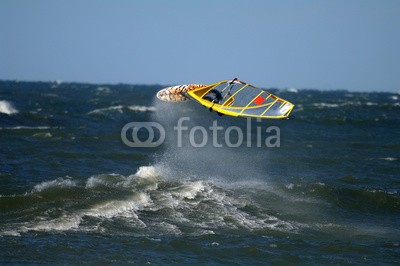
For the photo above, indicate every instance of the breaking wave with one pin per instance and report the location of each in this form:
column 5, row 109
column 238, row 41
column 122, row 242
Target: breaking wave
column 144, row 203
column 122, row 108
column 7, row 108
column 60, row 182
column 149, row 203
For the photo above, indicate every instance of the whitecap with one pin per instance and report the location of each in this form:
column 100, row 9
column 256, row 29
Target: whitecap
column 43, row 135
column 351, row 103
column 108, row 180
column 109, row 209
column 107, row 109
column 147, row 172
column 63, row 223
column 292, row 90
column 193, row 207
column 147, row 177
column 10, row 233
column 138, row 108
column 326, row 105
column 121, row 208
column 289, row 186
column 103, row 89
column 59, row 182
column 26, row 127
column 7, row 108
column 189, row 190
column 121, row 108
column 389, row 159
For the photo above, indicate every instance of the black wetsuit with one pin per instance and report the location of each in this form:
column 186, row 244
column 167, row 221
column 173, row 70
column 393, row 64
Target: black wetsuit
column 213, row 96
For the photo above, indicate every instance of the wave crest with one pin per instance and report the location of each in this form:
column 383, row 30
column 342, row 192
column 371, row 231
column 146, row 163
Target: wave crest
column 7, row 108
column 145, row 203
column 58, row 183
column 122, row 108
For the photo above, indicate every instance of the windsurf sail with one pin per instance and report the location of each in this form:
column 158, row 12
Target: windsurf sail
column 237, row 98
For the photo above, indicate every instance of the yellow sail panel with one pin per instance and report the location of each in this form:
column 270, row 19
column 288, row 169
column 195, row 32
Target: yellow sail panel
column 237, row 98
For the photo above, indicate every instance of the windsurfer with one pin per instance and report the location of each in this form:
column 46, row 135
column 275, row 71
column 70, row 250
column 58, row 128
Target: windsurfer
column 213, row 96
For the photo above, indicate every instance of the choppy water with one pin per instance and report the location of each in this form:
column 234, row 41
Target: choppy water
column 72, row 192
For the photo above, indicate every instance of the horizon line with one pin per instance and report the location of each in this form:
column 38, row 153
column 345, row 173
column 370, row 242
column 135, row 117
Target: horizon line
column 59, row 82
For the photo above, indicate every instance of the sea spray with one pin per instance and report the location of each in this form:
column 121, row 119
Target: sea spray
column 7, row 108
column 207, row 162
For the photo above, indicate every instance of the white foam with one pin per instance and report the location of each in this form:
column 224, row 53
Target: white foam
column 147, row 172
column 326, row 105
column 290, row 186
column 110, row 209
column 139, row 108
column 10, row 233
column 292, row 90
column 179, row 207
column 107, row 180
column 389, row 159
column 63, row 223
column 146, row 176
column 189, row 190
column 103, row 89
column 120, row 109
column 215, row 210
column 111, row 108
column 122, row 208
column 351, row 103
column 358, row 103
column 7, row 108
column 43, row 135
column 28, row 128
column 169, row 228
column 59, row 182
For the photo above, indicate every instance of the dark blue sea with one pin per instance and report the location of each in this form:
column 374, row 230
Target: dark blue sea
column 322, row 188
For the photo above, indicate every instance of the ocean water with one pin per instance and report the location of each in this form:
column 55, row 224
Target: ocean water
column 72, row 192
